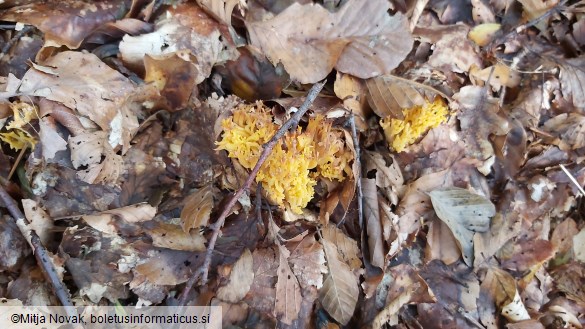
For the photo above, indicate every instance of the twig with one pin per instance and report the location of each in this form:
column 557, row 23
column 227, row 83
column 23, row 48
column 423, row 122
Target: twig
column 203, row 271
column 41, row 254
column 573, row 179
column 13, row 40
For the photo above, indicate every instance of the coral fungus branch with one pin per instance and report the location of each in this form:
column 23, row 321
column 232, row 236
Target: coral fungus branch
column 267, row 148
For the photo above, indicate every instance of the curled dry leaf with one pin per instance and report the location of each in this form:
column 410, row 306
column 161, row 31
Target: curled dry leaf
column 388, row 95
column 50, row 139
column 454, row 52
column 187, row 31
column 197, row 208
column 221, row 9
column 240, row 280
column 171, row 236
column 99, row 97
column 39, row 220
column 340, row 290
column 94, row 151
column 173, row 76
column 465, row 213
column 499, row 287
column 106, row 221
column 352, row 91
column 373, row 222
column 66, row 22
column 311, row 41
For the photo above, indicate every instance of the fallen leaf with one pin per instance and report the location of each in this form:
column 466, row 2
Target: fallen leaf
column 465, row 213
column 373, row 222
column 240, row 280
column 324, row 40
column 197, row 208
column 346, row 246
column 340, row 291
column 101, row 98
column 288, row 291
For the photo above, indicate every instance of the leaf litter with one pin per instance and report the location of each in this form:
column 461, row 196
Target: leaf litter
column 434, row 181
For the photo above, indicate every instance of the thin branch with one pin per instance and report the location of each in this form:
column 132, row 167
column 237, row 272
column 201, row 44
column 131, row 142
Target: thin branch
column 6, row 48
column 41, row 254
column 203, row 271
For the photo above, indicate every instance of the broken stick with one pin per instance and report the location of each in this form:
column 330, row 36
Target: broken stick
column 41, row 254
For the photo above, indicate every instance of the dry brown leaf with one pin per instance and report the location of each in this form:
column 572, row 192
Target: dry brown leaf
column 482, row 13
column 310, row 41
column 340, row 291
column 373, row 222
column 388, row 95
column 288, row 291
column 308, row 261
column 569, row 130
column 352, row 92
column 502, row 75
column 499, row 287
column 173, row 76
column 197, row 208
column 106, row 220
column 222, row 9
column 94, row 151
column 441, row 243
column 454, row 52
column 559, row 239
column 465, row 213
column 240, row 280
column 346, row 246
column 479, row 119
column 388, row 174
column 572, row 79
column 39, row 220
column 173, row 237
column 579, row 246
column 99, row 97
column 65, row 22
column 188, row 31
column 50, row 139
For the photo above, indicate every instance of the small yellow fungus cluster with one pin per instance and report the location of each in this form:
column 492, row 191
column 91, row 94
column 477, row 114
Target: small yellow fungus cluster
column 417, row 121
column 297, row 161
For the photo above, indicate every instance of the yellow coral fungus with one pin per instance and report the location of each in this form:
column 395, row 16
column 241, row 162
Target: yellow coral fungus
column 417, row 121
column 290, row 173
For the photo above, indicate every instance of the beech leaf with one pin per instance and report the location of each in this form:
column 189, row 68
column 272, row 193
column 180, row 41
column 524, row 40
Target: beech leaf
column 465, row 213
column 241, row 278
column 310, row 41
column 340, row 290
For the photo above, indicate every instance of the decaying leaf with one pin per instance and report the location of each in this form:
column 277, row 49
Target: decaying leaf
column 173, row 237
column 93, row 151
column 188, row 31
column 373, row 222
column 326, row 40
column 340, row 290
column 465, row 213
column 352, row 91
column 288, row 291
column 346, row 246
column 99, row 97
column 479, row 118
column 222, row 10
column 500, row 287
column 569, row 130
column 106, row 221
column 197, row 208
column 240, row 280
